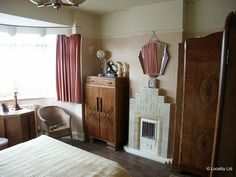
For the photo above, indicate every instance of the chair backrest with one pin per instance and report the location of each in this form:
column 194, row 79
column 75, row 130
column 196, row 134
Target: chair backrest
column 52, row 114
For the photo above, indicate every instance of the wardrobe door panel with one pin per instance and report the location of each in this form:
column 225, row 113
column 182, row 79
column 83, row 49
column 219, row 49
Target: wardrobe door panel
column 107, row 120
column 92, row 110
column 200, row 93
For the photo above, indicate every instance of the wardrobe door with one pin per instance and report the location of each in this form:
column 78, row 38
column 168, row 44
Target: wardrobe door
column 92, row 110
column 200, row 91
column 225, row 142
column 107, row 119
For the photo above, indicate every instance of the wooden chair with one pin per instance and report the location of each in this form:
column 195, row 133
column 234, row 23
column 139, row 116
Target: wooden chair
column 55, row 121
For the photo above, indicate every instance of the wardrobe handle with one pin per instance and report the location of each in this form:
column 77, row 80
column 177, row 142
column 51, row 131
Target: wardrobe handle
column 101, row 104
column 97, row 104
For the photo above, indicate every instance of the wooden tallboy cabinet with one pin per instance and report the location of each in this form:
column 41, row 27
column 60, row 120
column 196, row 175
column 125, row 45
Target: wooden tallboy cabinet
column 106, row 110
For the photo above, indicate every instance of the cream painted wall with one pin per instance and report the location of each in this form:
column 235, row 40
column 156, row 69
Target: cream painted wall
column 90, row 64
column 123, row 34
column 86, row 24
column 207, row 16
column 115, row 24
column 165, row 16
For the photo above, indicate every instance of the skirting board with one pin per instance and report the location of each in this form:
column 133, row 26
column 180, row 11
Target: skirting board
column 78, row 136
column 148, row 156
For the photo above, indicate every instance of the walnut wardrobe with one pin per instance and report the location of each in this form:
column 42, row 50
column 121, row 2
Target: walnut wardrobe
column 206, row 92
column 198, row 83
column 224, row 153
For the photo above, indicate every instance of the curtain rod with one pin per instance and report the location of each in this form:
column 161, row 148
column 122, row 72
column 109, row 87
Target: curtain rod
column 22, row 26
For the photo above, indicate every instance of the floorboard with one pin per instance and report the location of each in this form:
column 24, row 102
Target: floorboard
column 135, row 165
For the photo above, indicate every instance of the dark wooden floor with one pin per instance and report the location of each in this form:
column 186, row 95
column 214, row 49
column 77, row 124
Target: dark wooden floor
column 135, row 165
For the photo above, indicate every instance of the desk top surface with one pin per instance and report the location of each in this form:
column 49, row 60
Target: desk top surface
column 15, row 112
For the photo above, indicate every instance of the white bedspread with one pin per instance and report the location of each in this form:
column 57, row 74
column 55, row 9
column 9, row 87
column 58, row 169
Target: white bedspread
column 47, row 157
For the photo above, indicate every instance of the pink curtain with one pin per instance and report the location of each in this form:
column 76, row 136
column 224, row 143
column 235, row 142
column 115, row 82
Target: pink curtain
column 68, row 72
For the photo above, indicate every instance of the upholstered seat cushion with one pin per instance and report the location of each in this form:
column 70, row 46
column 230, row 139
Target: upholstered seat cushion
column 60, row 132
column 3, row 143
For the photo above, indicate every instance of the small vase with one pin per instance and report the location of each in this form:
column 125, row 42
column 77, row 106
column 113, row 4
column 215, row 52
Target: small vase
column 119, row 72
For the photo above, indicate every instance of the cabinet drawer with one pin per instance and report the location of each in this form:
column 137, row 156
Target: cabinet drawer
column 91, row 80
column 108, row 82
column 103, row 81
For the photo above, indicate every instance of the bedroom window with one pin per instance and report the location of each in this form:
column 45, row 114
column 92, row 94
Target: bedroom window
column 27, row 65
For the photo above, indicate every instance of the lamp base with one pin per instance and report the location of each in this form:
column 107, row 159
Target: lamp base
column 16, row 107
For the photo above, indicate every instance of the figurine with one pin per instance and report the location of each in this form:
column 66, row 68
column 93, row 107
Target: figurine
column 111, row 69
column 5, row 107
column 119, row 69
column 125, row 69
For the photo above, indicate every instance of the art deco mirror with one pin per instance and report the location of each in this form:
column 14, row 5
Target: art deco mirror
column 153, row 58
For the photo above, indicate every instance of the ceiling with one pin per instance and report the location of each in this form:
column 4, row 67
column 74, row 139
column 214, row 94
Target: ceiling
column 91, row 6
column 21, row 21
column 110, row 6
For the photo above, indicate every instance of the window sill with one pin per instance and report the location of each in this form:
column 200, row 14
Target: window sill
column 23, row 99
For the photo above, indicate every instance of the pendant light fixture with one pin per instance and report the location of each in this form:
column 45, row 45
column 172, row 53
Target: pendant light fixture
column 57, row 3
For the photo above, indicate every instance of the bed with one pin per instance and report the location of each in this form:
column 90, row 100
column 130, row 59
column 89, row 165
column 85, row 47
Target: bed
column 48, row 157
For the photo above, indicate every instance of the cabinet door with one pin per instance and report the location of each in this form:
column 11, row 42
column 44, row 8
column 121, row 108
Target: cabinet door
column 17, row 129
column 107, row 106
column 92, row 110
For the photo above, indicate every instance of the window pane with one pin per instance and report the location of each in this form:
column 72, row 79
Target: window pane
column 27, row 64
